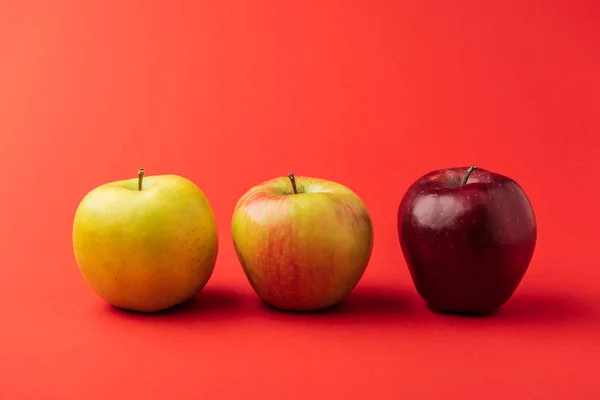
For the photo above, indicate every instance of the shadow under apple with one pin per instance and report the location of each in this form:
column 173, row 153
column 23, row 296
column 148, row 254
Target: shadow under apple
column 211, row 302
column 364, row 303
column 547, row 308
column 533, row 308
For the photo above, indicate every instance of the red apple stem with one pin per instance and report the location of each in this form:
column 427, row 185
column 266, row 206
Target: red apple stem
column 140, row 178
column 293, row 180
column 469, row 172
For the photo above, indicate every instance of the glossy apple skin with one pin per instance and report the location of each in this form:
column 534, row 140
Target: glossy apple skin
column 305, row 251
column 467, row 247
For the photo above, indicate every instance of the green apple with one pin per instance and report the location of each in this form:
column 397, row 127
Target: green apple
column 146, row 244
column 303, row 243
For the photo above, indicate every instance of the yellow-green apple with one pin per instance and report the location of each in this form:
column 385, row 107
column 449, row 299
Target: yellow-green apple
column 303, row 243
column 468, row 236
column 146, row 244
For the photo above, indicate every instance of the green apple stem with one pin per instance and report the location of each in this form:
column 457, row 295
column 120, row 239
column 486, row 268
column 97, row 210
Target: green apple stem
column 469, row 171
column 140, row 178
column 293, row 180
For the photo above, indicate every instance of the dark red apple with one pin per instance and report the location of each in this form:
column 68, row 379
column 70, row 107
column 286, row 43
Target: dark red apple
column 468, row 236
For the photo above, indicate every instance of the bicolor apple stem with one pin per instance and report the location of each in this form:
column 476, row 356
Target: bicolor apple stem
column 469, row 172
column 293, row 180
column 140, row 178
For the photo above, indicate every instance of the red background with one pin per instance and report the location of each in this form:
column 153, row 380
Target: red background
column 369, row 93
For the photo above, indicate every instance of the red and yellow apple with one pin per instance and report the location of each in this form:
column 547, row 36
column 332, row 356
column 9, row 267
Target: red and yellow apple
column 303, row 243
column 146, row 244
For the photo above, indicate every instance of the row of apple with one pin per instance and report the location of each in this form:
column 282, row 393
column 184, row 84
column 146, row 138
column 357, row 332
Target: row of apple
column 149, row 243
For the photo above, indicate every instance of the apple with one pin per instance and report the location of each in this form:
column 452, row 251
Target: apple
column 468, row 236
column 145, row 244
column 303, row 243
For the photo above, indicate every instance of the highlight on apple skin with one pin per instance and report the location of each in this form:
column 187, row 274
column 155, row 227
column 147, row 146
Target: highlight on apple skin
column 468, row 236
column 303, row 243
column 146, row 244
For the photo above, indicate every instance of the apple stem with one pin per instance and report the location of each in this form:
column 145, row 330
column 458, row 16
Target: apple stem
column 293, row 180
column 469, row 171
column 140, row 178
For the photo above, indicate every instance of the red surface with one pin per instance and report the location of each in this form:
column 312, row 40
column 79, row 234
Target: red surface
column 371, row 94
